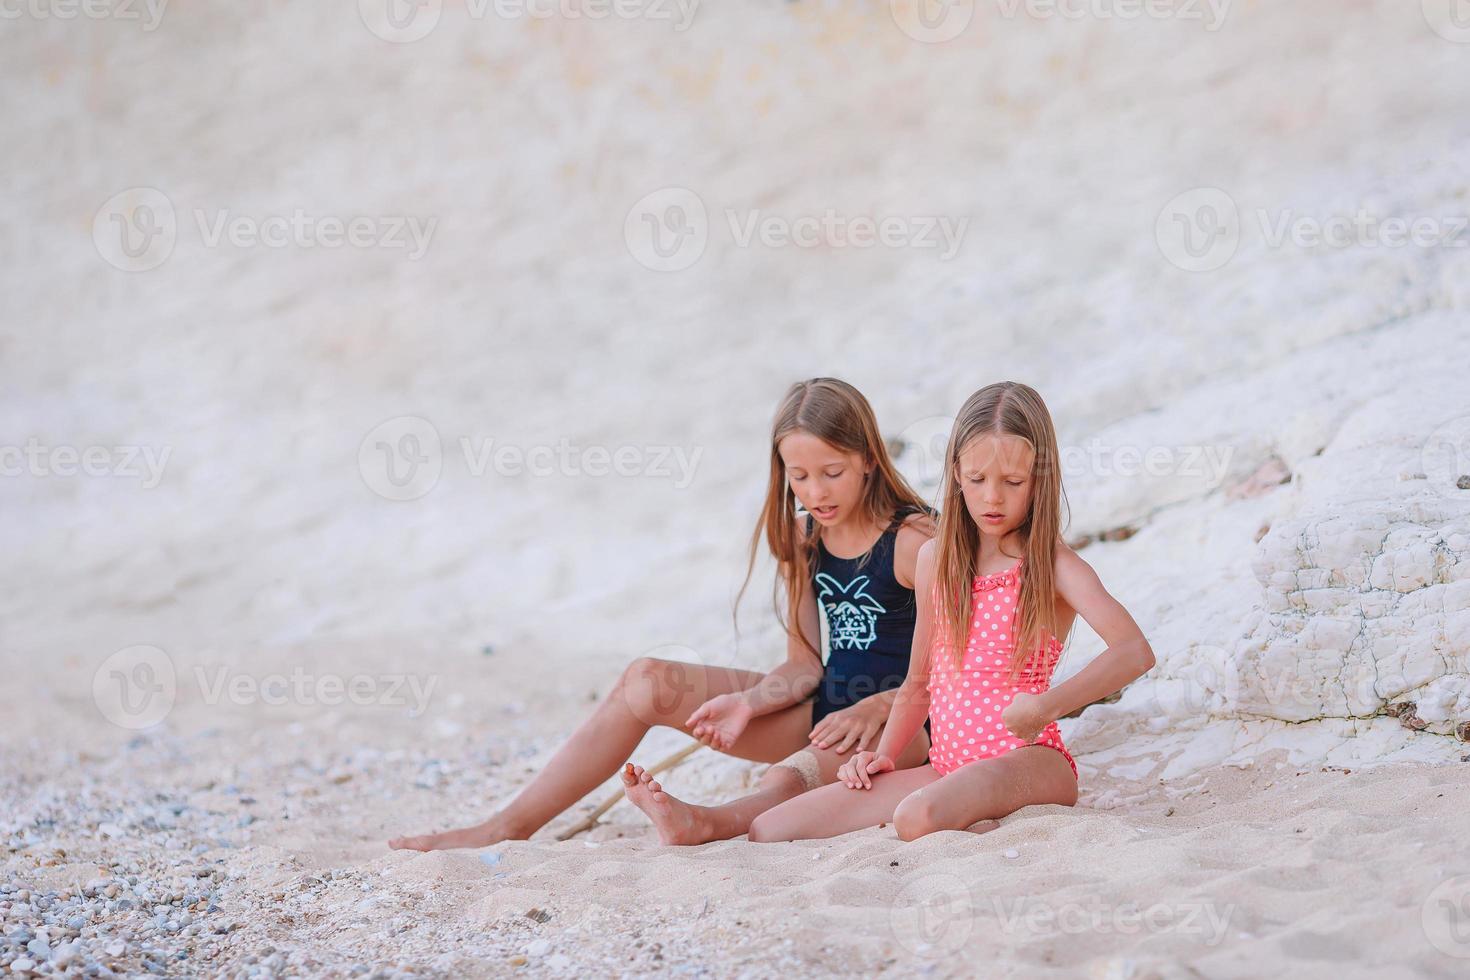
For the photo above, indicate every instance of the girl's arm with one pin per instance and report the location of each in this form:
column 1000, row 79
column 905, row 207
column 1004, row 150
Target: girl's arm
column 798, row 677
column 911, row 701
column 1127, row 657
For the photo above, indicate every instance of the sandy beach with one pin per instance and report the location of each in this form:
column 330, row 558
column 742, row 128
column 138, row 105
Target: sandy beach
column 320, row 536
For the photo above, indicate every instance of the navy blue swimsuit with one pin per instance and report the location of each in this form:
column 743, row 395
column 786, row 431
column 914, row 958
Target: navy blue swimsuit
column 870, row 623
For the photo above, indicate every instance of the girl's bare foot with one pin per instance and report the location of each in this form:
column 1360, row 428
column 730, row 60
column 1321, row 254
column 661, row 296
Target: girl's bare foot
column 490, row 832
column 677, row 822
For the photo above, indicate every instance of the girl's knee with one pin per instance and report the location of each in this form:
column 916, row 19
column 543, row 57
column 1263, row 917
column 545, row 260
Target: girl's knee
column 647, row 690
column 915, row 817
column 766, row 829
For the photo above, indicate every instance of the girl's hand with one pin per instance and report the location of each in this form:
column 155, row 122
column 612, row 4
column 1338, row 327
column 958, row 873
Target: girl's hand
column 857, row 772
column 858, row 725
column 1025, row 717
column 720, row 721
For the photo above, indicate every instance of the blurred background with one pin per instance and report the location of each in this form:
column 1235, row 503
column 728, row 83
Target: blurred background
column 440, row 342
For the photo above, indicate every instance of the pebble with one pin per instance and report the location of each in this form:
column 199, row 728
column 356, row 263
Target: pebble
column 1011, row 852
column 538, row 947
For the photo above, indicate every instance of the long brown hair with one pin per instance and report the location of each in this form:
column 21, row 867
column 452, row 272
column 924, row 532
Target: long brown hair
column 838, row 414
column 1004, row 408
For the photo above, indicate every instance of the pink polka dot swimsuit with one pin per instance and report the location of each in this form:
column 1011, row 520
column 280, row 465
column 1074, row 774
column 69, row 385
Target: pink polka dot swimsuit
column 965, row 703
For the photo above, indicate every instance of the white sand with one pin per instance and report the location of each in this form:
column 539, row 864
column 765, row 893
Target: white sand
column 1290, row 619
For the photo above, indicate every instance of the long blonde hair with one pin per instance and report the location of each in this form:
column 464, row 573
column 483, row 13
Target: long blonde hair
column 1004, row 408
column 838, row 414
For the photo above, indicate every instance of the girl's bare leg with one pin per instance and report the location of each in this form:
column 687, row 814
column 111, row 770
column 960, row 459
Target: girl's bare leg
column 835, row 809
column 650, row 692
column 678, row 822
column 987, row 790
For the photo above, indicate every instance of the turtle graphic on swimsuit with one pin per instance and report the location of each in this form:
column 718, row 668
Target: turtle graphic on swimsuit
column 852, row 614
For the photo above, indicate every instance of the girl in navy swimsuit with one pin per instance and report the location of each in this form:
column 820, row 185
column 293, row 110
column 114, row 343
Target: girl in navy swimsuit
column 852, row 554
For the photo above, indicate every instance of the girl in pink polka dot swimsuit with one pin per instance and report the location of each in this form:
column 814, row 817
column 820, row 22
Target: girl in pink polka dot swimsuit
column 1003, row 591
column 966, row 700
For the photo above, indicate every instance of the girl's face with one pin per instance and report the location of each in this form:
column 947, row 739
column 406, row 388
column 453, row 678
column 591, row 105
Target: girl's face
column 828, row 481
column 994, row 472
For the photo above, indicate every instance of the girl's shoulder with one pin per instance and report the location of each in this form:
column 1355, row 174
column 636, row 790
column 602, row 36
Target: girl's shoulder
column 918, row 526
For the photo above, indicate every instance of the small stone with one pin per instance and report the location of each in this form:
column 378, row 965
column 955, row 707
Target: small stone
column 1463, row 482
column 538, row 947
column 22, row 965
column 517, row 961
column 1011, row 852
column 490, row 857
